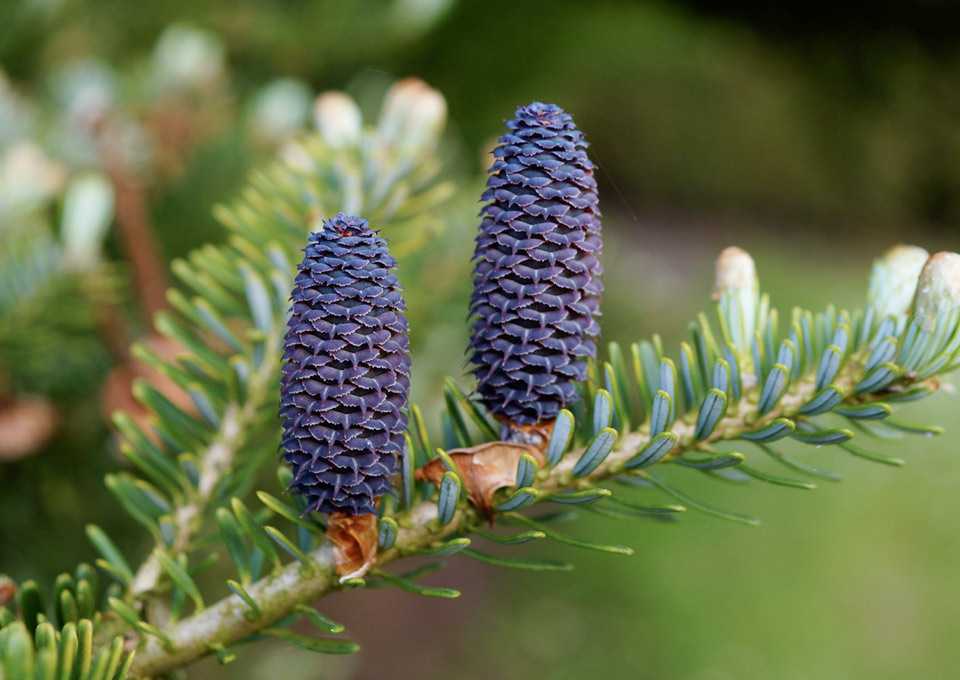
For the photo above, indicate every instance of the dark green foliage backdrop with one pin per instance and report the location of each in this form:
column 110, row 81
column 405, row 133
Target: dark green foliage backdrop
column 686, row 111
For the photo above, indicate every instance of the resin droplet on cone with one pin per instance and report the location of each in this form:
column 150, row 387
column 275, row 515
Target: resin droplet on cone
column 346, row 374
column 537, row 286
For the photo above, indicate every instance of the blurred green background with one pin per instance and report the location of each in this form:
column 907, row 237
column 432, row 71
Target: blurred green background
column 813, row 136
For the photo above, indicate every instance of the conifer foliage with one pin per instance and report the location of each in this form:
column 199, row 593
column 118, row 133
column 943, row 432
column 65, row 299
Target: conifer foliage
column 745, row 377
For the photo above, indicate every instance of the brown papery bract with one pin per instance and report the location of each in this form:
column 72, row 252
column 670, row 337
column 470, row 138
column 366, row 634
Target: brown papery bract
column 484, row 469
column 354, row 539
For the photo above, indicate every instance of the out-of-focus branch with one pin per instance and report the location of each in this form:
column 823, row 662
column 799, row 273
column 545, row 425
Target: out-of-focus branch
column 137, row 237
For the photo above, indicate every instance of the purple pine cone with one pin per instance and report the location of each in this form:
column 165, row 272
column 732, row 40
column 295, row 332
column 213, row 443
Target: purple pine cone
column 346, row 374
column 536, row 282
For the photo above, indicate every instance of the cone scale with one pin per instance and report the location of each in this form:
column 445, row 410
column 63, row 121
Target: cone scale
column 536, row 279
column 346, row 374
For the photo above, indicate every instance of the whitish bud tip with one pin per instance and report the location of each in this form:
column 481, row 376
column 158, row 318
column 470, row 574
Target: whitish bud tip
column 338, row 119
column 413, row 112
column 938, row 290
column 280, row 110
column 87, row 213
column 188, row 57
column 893, row 281
column 735, row 271
column 906, row 255
column 407, row 92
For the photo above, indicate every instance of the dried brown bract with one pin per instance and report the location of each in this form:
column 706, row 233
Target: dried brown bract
column 354, row 539
column 484, row 469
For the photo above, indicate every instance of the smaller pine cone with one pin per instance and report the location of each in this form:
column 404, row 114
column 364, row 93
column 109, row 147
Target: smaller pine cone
column 346, row 375
column 536, row 282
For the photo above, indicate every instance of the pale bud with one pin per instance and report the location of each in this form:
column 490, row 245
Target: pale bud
column 188, row 58
column 281, row 110
column 418, row 15
column 737, row 289
column 28, row 178
column 893, row 280
column 413, row 114
column 938, row 290
column 87, row 214
column 338, row 119
column 736, row 271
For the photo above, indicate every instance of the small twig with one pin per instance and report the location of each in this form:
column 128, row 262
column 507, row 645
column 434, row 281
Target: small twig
column 215, row 462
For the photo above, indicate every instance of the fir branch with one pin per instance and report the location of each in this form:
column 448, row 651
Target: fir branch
column 746, row 382
column 748, row 378
column 580, row 473
column 277, row 595
column 389, row 171
column 216, row 461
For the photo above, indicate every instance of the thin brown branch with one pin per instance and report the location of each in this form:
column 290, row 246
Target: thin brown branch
column 137, row 237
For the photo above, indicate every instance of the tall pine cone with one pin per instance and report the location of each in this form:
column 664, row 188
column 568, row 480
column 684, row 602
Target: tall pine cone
column 536, row 282
column 346, row 375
